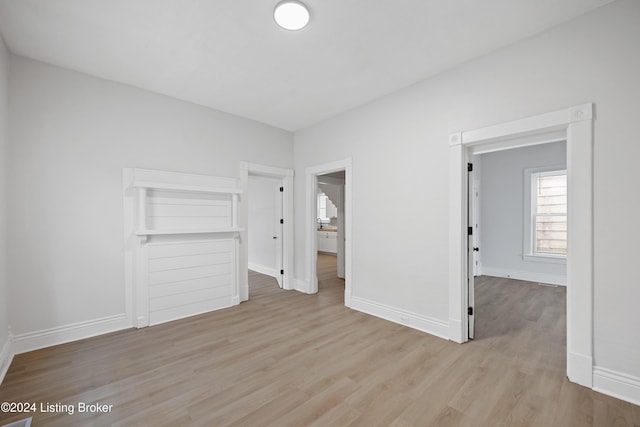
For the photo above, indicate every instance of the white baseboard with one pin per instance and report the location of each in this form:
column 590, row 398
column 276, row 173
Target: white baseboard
column 30, row 341
column 413, row 320
column 6, row 357
column 580, row 369
column 616, row 384
column 262, row 269
column 552, row 279
column 347, row 299
column 455, row 330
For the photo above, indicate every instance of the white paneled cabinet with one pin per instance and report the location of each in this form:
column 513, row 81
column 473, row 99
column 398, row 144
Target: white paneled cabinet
column 328, row 241
column 181, row 244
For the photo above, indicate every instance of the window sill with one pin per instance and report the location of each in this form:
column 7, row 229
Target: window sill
column 550, row 259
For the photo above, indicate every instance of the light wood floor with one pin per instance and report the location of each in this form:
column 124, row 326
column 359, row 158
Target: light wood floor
column 288, row 359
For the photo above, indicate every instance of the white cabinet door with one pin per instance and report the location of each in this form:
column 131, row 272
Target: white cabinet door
column 322, row 241
column 332, row 243
column 327, row 241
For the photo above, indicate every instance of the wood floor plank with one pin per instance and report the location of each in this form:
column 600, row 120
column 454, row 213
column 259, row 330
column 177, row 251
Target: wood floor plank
column 288, row 359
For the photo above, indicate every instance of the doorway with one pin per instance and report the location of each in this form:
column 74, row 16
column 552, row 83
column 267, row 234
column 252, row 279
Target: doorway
column 275, row 186
column 575, row 125
column 265, row 230
column 331, row 173
column 519, row 227
column 330, row 230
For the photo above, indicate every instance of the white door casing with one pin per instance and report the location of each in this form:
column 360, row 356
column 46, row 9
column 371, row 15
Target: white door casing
column 277, row 236
column 312, row 173
column 575, row 125
column 470, row 252
column 287, row 240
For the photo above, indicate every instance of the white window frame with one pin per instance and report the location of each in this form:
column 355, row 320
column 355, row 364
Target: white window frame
column 322, row 208
column 528, row 251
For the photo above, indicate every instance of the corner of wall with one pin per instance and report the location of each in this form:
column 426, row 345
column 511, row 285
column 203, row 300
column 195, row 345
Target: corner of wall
column 302, row 285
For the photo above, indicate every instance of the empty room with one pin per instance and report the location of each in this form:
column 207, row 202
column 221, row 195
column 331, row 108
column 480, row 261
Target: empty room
column 327, row 213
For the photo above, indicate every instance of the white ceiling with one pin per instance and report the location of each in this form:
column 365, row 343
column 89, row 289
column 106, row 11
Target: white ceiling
column 230, row 55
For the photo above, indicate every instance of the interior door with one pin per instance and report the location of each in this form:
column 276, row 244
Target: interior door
column 470, row 249
column 278, row 235
column 475, row 222
column 341, row 233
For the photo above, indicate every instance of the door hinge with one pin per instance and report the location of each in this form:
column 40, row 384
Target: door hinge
column 281, row 271
column 281, row 189
column 476, row 249
column 470, row 231
column 281, row 221
column 470, row 311
column 469, row 167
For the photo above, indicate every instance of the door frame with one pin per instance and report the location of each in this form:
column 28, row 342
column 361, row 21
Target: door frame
column 340, row 234
column 311, row 251
column 575, row 125
column 286, row 179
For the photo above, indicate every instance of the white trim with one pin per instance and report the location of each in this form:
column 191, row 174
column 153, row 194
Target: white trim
column 528, row 215
column 185, row 188
column 129, row 227
column 30, row 341
column 580, row 368
column 529, row 276
column 263, row 269
column 457, row 243
column 302, row 286
column 312, row 174
column 549, row 259
column 542, row 123
column 6, row 356
column 575, row 126
column 422, row 323
column 286, row 177
column 617, row 384
column 455, row 330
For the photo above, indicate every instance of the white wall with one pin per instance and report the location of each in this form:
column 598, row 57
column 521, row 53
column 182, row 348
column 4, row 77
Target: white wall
column 502, row 212
column 4, row 102
column 262, row 224
column 399, row 148
column 70, row 137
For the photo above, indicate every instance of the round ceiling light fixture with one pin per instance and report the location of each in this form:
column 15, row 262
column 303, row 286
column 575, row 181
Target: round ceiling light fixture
column 291, row 15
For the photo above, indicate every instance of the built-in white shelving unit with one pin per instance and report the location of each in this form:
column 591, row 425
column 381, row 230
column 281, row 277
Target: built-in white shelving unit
column 196, row 231
column 181, row 239
column 143, row 188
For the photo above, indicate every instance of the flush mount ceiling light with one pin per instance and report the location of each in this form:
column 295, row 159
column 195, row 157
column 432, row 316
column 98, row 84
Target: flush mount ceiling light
column 291, row 15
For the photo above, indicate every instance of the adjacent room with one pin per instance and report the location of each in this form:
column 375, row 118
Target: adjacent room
column 519, row 220
column 326, row 213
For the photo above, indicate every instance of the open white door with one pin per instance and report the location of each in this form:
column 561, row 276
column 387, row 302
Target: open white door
column 341, row 232
column 470, row 248
column 278, row 236
column 476, row 233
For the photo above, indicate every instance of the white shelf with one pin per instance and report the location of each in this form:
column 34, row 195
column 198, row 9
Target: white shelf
column 186, row 188
column 196, row 231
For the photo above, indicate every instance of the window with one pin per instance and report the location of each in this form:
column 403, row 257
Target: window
column 322, row 208
column 326, row 209
column 546, row 214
